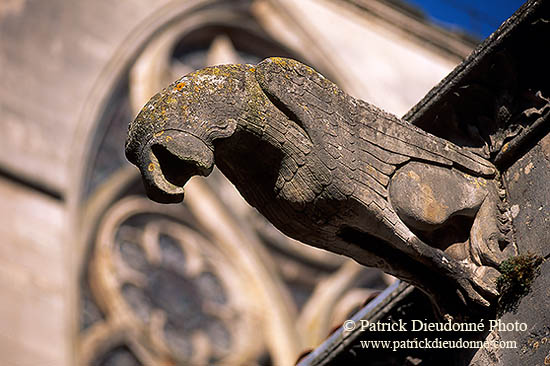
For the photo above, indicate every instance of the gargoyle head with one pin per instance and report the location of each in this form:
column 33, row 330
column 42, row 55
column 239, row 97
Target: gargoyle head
column 172, row 137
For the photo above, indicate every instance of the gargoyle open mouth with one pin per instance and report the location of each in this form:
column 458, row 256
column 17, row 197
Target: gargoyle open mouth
column 169, row 160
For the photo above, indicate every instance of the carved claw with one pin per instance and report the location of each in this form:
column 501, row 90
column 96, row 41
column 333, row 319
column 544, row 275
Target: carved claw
column 486, row 237
column 472, row 294
column 474, row 289
column 485, row 279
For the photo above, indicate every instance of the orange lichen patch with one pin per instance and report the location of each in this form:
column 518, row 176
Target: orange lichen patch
column 252, row 69
column 225, row 70
column 197, row 89
column 279, row 61
column 179, row 86
column 151, row 167
column 168, row 138
column 159, row 133
column 481, row 182
column 477, row 181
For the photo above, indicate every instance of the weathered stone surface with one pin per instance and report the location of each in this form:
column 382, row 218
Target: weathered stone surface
column 318, row 163
column 527, row 347
column 424, row 205
column 529, row 192
column 529, row 198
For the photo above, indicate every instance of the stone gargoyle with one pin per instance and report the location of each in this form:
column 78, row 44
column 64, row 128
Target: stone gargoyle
column 331, row 171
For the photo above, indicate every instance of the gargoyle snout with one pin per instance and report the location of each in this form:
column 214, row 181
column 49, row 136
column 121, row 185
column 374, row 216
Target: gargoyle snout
column 169, row 160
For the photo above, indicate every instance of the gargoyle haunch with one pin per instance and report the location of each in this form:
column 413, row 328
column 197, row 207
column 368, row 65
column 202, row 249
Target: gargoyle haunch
column 331, row 171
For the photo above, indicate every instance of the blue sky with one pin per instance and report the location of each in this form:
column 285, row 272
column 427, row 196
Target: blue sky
column 477, row 17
